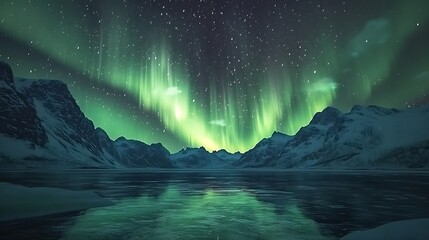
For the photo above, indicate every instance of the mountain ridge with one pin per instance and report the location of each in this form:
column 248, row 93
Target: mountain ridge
column 364, row 137
column 57, row 133
column 41, row 125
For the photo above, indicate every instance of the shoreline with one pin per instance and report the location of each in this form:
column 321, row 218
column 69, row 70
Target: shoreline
column 244, row 170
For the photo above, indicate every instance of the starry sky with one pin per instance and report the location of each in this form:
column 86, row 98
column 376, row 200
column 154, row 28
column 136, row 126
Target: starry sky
column 220, row 73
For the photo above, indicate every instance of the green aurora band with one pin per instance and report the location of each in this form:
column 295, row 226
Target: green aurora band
column 351, row 72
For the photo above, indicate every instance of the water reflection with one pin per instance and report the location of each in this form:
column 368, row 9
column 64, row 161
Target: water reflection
column 225, row 204
column 214, row 214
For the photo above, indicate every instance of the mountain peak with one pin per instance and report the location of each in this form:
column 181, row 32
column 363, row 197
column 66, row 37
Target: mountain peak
column 375, row 109
column 220, row 151
column 100, row 130
column 121, row 138
column 6, row 74
column 327, row 116
column 157, row 145
column 279, row 134
column 382, row 110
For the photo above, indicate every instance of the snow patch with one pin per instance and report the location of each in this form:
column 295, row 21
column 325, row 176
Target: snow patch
column 23, row 202
column 414, row 229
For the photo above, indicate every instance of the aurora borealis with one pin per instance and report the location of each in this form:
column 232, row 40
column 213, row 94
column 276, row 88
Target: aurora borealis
column 220, row 74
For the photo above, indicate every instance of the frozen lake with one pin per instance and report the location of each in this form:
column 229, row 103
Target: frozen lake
column 224, row 204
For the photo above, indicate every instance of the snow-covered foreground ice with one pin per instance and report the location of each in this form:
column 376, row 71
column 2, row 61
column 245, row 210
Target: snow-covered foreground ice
column 415, row 229
column 22, row 202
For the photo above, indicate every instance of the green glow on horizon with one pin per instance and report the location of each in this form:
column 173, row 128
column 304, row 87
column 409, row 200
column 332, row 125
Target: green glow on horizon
column 280, row 99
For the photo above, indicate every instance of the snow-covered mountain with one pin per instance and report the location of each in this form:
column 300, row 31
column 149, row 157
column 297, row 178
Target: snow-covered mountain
column 201, row 158
column 227, row 156
column 42, row 126
column 18, row 118
column 134, row 153
column 265, row 152
column 365, row 137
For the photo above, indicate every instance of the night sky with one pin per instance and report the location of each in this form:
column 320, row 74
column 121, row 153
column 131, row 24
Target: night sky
column 220, row 74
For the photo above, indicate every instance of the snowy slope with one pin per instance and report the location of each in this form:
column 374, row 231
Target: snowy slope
column 71, row 136
column 136, row 154
column 201, row 158
column 308, row 140
column 365, row 137
column 21, row 131
column 41, row 126
column 413, row 229
column 265, row 152
column 227, row 156
column 24, row 202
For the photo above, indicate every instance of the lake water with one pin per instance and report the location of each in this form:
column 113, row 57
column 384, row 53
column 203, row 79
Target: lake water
column 224, row 204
